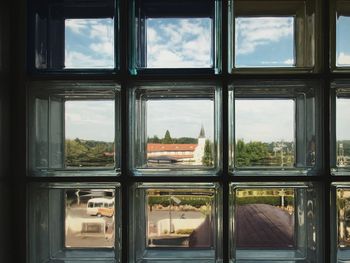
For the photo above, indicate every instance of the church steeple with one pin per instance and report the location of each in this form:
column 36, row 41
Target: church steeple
column 202, row 133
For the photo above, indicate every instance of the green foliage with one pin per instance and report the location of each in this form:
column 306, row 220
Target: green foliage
column 263, row 154
column 207, row 159
column 167, row 138
column 269, row 200
column 195, row 201
column 252, row 153
column 181, row 140
column 86, row 153
column 155, row 139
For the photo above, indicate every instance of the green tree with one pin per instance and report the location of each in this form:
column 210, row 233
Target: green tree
column 207, row 159
column 252, row 153
column 167, row 138
column 154, row 139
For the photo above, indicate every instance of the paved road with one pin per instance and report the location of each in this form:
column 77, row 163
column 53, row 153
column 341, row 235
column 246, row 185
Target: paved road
column 77, row 239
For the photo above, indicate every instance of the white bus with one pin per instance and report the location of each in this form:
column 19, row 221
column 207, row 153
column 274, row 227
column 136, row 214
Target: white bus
column 100, row 207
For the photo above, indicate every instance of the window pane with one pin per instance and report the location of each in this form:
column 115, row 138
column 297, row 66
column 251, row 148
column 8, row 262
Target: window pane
column 177, row 222
column 89, row 133
column 264, row 42
column 275, row 222
column 342, row 41
column 72, row 34
column 63, row 226
column 89, row 43
column 74, row 127
column 175, row 127
column 265, row 132
column 179, row 219
column 343, row 137
column 179, row 43
column 87, row 223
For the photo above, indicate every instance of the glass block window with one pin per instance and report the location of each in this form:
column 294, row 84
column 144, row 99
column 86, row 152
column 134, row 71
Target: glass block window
column 273, row 126
column 69, row 222
column 273, row 221
column 75, row 127
column 340, row 157
column 273, row 37
column 73, row 35
column 177, row 129
column 341, row 46
column 175, row 221
column 175, row 34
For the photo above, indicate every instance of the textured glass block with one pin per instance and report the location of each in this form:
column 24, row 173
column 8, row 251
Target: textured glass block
column 340, row 150
column 269, row 36
column 340, row 26
column 273, row 222
column 176, row 128
column 274, row 127
column 175, row 34
column 175, row 222
column 340, row 223
column 73, row 126
column 74, row 222
column 72, row 35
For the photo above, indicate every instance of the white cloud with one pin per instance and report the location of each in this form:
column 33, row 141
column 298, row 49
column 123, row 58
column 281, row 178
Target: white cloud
column 77, row 26
column 289, row 61
column 343, row 59
column 90, row 44
column 74, row 59
column 257, row 31
column 179, row 43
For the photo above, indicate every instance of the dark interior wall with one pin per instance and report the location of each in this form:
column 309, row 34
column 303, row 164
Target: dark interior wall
column 5, row 184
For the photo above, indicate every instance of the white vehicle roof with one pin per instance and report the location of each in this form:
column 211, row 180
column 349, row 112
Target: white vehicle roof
column 101, row 199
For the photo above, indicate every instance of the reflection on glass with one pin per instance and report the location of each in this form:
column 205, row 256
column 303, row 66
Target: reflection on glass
column 179, row 43
column 342, row 41
column 180, row 133
column 180, row 218
column 264, row 42
column 89, row 133
column 264, row 218
column 89, row 218
column 264, row 132
column 89, row 43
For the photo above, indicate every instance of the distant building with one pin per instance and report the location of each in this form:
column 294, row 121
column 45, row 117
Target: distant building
column 172, row 153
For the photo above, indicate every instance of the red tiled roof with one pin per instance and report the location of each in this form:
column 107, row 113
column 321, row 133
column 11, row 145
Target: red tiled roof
column 160, row 147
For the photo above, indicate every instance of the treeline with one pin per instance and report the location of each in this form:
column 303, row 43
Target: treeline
column 167, row 139
column 260, row 153
column 89, row 153
column 181, row 140
column 164, row 201
column 268, row 200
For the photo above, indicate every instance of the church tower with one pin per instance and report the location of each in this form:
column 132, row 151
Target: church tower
column 199, row 151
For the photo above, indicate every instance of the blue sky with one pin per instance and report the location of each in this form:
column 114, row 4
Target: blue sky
column 267, row 41
column 89, row 43
column 264, row 42
column 343, row 41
